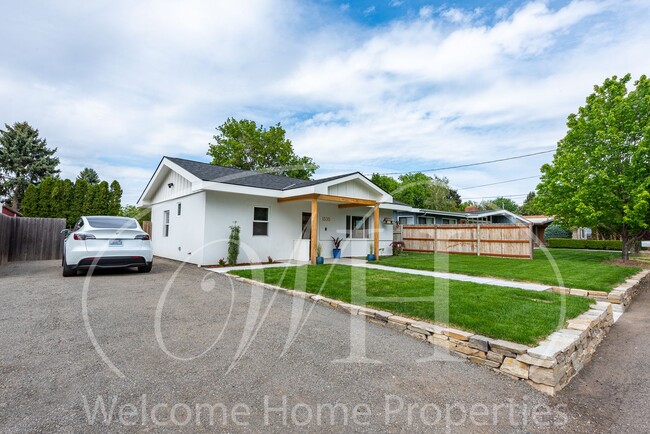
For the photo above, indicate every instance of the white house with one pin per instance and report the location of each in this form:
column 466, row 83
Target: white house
column 194, row 204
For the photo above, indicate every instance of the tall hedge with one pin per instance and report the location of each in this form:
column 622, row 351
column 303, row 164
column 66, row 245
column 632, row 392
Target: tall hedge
column 61, row 198
column 585, row 244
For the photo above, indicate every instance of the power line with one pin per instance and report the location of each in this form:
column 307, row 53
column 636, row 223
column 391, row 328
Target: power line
column 493, row 197
column 471, row 164
column 500, row 182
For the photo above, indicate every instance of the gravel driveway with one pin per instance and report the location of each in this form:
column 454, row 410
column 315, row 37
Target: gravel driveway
column 53, row 376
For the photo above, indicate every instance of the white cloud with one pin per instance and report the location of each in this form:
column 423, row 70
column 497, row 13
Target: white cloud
column 142, row 80
column 369, row 10
column 425, row 12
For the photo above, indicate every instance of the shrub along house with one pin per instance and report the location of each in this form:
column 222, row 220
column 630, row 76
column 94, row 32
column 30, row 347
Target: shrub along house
column 193, row 205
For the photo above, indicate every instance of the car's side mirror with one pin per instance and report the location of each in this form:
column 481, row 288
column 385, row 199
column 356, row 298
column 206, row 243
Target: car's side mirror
column 65, row 232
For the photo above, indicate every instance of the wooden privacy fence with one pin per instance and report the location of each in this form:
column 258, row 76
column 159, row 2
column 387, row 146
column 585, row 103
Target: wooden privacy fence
column 146, row 226
column 30, row 239
column 506, row 240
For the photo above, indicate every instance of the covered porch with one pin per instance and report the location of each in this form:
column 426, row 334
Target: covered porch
column 343, row 202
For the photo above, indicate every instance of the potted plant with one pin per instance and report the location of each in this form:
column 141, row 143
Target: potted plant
column 398, row 247
column 336, row 252
column 371, row 254
column 319, row 250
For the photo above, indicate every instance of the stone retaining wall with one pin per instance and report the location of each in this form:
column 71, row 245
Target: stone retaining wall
column 547, row 367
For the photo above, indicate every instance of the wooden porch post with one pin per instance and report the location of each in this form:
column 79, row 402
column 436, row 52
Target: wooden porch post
column 376, row 232
column 314, row 230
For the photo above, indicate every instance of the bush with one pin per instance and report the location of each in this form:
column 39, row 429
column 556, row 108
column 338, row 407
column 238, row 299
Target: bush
column 556, row 231
column 233, row 245
column 585, row 244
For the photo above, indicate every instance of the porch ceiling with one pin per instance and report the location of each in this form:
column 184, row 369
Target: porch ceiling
column 345, row 202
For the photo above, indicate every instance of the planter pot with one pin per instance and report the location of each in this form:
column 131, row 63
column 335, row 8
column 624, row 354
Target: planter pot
column 371, row 257
column 320, row 260
column 336, row 253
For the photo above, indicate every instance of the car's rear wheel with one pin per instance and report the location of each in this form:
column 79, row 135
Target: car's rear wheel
column 68, row 271
column 146, row 268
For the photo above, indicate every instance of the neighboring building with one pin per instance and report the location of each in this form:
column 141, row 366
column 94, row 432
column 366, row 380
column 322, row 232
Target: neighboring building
column 194, row 204
column 8, row 211
column 540, row 223
column 581, row 233
column 469, row 216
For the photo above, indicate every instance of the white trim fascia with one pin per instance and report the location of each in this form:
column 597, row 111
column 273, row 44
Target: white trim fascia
column 154, row 181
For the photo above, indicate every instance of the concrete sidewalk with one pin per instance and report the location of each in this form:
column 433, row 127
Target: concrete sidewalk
column 354, row 262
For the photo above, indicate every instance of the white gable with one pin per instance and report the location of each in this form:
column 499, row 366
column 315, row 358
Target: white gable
column 180, row 186
column 354, row 188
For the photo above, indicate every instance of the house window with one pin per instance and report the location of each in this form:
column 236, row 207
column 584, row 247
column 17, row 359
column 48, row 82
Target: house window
column 426, row 220
column 178, row 212
column 356, row 227
column 260, row 221
column 166, row 223
column 449, row 221
column 404, row 220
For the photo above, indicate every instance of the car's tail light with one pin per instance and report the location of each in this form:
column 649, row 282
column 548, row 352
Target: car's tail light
column 82, row 237
column 144, row 237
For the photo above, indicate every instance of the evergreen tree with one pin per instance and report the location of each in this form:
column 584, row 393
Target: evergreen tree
column 80, row 192
column 115, row 201
column 24, row 159
column 46, row 190
column 100, row 203
column 89, row 175
column 30, row 203
column 89, row 200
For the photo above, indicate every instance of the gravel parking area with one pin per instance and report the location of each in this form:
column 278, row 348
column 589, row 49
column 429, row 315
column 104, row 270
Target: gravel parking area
column 53, row 379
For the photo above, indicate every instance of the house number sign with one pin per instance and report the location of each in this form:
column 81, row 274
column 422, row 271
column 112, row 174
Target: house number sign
column 325, row 219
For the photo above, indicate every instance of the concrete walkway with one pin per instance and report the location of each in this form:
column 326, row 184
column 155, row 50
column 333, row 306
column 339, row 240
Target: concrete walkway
column 461, row 277
column 362, row 263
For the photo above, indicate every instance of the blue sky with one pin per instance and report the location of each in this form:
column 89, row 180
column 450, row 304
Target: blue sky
column 359, row 85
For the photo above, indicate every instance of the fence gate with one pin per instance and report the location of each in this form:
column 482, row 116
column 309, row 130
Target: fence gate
column 505, row 240
column 30, row 239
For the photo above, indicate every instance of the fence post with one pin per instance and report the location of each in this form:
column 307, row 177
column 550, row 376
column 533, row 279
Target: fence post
column 478, row 238
column 435, row 238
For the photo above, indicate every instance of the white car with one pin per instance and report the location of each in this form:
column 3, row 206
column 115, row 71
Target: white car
column 106, row 242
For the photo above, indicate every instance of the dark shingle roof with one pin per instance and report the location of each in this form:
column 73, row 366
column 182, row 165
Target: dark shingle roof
column 247, row 178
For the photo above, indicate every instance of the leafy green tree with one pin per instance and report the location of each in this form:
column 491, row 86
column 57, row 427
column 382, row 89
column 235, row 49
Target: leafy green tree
column 30, row 202
column 244, row 145
column 530, row 205
column 89, row 175
column 24, row 159
column 501, row 203
column 467, row 203
column 422, row 191
column 115, row 199
column 386, row 183
column 600, row 174
column 140, row 214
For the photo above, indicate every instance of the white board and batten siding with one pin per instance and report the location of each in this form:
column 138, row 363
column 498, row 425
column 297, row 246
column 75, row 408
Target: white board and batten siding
column 181, row 186
column 354, row 188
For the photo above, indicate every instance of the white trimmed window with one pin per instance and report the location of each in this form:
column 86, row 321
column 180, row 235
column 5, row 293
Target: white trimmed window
column 356, row 227
column 260, row 221
column 166, row 223
column 449, row 221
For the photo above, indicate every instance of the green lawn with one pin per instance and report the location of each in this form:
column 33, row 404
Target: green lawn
column 577, row 268
column 503, row 313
